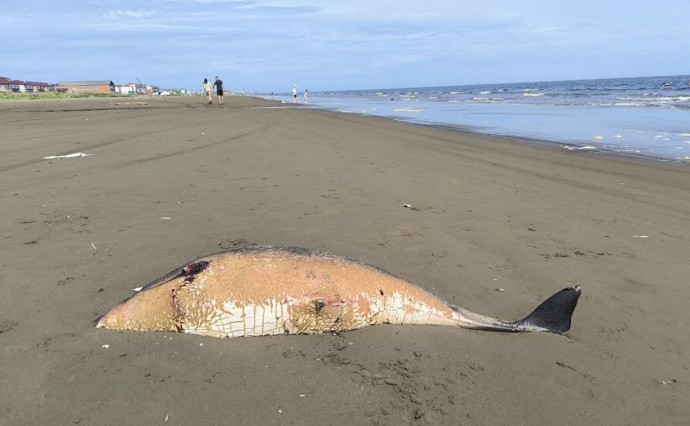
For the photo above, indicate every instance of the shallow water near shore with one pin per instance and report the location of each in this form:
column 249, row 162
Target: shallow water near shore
column 637, row 116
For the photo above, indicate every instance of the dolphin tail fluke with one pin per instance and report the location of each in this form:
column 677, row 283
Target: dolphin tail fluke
column 554, row 314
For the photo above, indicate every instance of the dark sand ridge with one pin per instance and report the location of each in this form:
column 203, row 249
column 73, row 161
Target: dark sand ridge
column 79, row 234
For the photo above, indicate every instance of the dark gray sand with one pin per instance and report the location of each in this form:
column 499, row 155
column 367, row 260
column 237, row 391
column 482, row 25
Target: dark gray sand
column 497, row 226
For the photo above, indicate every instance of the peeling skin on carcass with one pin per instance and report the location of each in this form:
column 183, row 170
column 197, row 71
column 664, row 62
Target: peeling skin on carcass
column 261, row 291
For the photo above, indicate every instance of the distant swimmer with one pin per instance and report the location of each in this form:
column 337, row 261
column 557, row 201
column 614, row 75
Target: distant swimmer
column 666, row 84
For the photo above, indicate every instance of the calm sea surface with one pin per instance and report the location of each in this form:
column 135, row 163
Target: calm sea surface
column 646, row 116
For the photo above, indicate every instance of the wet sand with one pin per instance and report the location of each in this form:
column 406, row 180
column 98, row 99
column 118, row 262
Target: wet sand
column 496, row 226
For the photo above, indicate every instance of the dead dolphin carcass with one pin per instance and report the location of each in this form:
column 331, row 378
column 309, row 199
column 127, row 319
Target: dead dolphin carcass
column 260, row 291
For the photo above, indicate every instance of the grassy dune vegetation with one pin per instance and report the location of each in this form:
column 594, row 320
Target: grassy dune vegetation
column 56, row 95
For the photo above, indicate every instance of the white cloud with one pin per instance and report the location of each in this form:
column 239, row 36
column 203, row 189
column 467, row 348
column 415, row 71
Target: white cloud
column 115, row 14
column 395, row 61
column 349, row 43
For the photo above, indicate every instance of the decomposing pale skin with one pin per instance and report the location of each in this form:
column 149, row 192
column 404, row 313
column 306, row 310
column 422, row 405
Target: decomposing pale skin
column 260, row 291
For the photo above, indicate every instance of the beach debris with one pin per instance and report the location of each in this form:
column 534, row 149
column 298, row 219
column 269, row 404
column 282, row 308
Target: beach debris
column 166, row 418
column 137, row 289
column 640, row 236
column 564, row 365
column 7, row 325
column 236, row 244
column 95, row 250
column 499, row 289
column 73, row 155
column 408, row 109
column 166, row 218
column 106, row 346
column 579, row 148
column 409, row 206
column 597, row 138
column 668, row 382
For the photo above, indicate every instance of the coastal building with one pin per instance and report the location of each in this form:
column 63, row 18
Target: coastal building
column 125, row 89
column 39, row 86
column 104, row 86
column 17, row 86
column 137, row 88
column 9, row 85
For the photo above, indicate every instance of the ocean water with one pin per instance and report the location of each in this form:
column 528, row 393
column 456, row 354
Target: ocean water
column 636, row 116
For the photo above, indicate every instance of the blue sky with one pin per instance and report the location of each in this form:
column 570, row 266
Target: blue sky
column 265, row 46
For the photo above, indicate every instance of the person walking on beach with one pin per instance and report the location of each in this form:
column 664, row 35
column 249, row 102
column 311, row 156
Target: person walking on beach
column 218, row 84
column 294, row 93
column 207, row 91
column 306, row 96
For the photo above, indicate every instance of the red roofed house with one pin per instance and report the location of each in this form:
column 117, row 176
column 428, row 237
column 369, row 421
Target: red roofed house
column 17, row 86
column 9, row 85
column 5, row 84
column 39, row 86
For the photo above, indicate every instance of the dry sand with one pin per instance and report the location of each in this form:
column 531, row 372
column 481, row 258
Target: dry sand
column 498, row 225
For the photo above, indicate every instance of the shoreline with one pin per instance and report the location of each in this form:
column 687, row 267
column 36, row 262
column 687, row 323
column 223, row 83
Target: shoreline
column 630, row 116
column 474, row 130
column 468, row 129
column 545, row 142
column 498, row 226
column 135, row 102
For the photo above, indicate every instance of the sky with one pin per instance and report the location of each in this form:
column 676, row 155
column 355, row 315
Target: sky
column 269, row 45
